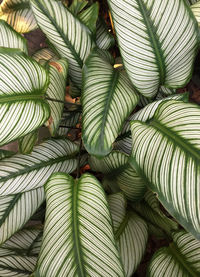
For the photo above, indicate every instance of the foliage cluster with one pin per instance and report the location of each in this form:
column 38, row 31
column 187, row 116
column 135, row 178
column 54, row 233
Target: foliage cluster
column 121, row 142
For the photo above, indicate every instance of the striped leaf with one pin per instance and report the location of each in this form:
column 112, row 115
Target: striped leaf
column 89, row 16
column 68, row 121
column 22, row 106
column 191, row 2
column 104, row 39
column 158, row 223
column 18, row 14
column 10, row 38
column 27, row 143
column 16, row 265
column 45, row 55
column 166, row 154
column 181, row 258
column 56, row 91
column 70, row 37
column 16, row 210
column 78, row 229
column 26, row 172
column 25, row 242
column 130, row 233
column 119, row 174
column 77, row 6
column 108, row 98
column 196, row 11
column 124, row 141
column 144, row 31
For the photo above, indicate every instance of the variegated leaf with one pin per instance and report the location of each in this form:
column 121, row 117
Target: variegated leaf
column 21, row 173
column 16, row 210
column 27, row 143
column 166, row 153
column 104, row 39
column 18, row 14
column 56, row 93
column 130, row 233
column 119, row 174
column 181, row 258
column 144, row 31
column 124, row 141
column 108, row 98
column 10, row 38
column 70, row 37
column 23, row 85
column 78, row 229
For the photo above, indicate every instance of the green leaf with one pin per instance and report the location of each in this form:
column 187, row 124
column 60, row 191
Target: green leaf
column 118, row 173
column 89, row 16
column 124, row 141
column 191, row 2
column 10, row 38
column 158, row 223
column 104, row 39
column 181, row 258
column 26, row 172
column 5, row 153
column 56, row 91
column 77, row 6
column 16, row 210
column 130, row 233
column 16, row 265
column 22, row 106
column 71, row 38
column 166, row 153
column 27, row 143
column 196, row 11
column 18, row 14
column 144, row 31
column 108, row 98
column 78, row 229
column 25, row 242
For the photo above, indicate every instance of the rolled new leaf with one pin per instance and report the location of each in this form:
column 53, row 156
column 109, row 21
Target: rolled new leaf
column 78, row 236
column 130, row 233
column 181, row 258
column 18, row 14
column 166, row 152
column 16, row 210
column 23, row 85
column 27, row 143
column 70, row 37
column 144, row 31
column 21, row 173
column 10, row 38
column 108, row 99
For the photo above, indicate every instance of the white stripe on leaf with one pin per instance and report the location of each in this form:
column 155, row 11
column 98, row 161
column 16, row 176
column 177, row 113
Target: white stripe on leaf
column 21, row 173
column 108, row 98
column 166, row 151
column 78, row 229
column 144, row 31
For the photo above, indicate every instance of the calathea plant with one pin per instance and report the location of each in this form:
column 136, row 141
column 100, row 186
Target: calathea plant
column 121, row 162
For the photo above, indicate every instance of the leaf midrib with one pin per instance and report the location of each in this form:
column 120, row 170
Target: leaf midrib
column 178, row 140
column 20, row 98
column 62, row 35
column 180, row 258
column 111, row 91
column 156, row 45
column 122, row 226
column 16, row 270
column 10, row 207
column 76, row 233
column 29, row 169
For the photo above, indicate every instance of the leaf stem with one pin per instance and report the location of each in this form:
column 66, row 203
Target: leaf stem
column 79, row 161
